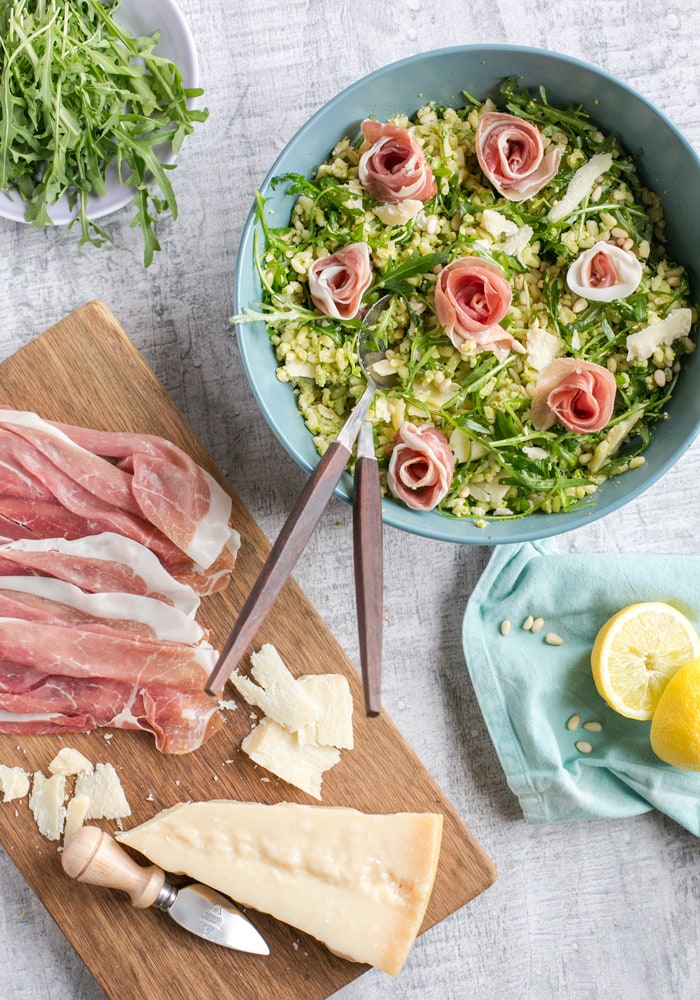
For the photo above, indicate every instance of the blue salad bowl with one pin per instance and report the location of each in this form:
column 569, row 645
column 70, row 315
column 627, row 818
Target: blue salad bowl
column 667, row 163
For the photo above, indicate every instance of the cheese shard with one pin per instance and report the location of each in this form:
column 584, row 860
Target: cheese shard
column 642, row 344
column 47, row 804
column 104, row 791
column 76, row 814
column 14, row 783
column 281, row 752
column 359, row 883
column 69, row 761
column 276, row 692
column 333, row 728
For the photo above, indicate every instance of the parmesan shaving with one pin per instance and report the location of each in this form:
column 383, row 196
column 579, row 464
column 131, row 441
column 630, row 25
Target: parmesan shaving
column 14, row 783
column 104, row 791
column 642, row 344
column 580, row 186
column 281, row 752
column 47, row 804
column 69, row 761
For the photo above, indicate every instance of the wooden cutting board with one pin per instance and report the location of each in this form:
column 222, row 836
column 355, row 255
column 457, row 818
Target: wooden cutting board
column 86, row 371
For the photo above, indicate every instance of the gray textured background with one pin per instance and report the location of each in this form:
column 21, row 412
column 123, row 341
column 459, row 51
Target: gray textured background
column 583, row 911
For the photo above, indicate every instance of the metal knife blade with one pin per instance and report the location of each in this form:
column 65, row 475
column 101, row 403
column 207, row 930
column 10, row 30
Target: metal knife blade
column 93, row 856
column 205, row 912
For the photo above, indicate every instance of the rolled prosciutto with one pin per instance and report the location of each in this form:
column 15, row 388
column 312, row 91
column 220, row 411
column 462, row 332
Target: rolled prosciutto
column 471, row 298
column 338, row 282
column 393, row 166
column 510, row 151
column 421, row 466
column 578, row 394
column 604, row 273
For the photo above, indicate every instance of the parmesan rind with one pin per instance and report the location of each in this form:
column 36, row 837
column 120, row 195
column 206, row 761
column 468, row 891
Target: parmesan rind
column 14, row 783
column 642, row 344
column 47, row 804
column 359, row 883
column 333, row 727
column 104, row 790
column 280, row 752
column 69, row 761
column 580, row 186
column 276, row 692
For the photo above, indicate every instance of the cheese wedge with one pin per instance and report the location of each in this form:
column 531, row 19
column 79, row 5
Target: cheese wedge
column 359, row 883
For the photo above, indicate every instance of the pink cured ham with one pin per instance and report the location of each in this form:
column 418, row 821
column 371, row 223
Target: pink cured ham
column 472, row 296
column 78, row 652
column 52, row 485
column 338, row 282
column 180, row 721
column 605, row 272
column 510, row 151
column 421, row 466
column 171, row 491
column 97, row 564
column 393, row 166
column 578, row 394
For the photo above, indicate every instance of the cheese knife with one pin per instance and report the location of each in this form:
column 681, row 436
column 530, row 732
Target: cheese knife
column 93, row 856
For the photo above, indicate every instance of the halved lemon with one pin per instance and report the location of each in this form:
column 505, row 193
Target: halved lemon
column 636, row 653
column 675, row 728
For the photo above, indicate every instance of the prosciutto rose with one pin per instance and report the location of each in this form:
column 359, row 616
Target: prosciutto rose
column 604, row 273
column 510, row 151
column 393, row 166
column 338, row 282
column 579, row 394
column 421, row 466
column 471, row 298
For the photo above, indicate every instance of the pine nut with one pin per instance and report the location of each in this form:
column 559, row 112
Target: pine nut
column 583, row 747
column 537, row 624
column 552, row 639
column 593, row 727
column 505, row 627
column 579, row 305
column 573, row 723
column 659, row 378
column 527, row 624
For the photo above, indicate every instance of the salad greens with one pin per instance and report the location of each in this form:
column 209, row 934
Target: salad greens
column 80, row 97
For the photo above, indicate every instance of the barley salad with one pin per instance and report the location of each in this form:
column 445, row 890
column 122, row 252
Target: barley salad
column 481, row 400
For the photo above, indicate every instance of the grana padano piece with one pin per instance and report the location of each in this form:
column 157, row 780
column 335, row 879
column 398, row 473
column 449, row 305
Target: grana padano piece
column 281, row 752
column 47, row 804
column 14, row 783
column 276, row 692
column 580, row 186
column 69, row 761
column 359, row 883
column 333, row 728
column 642, row 344
column 104, row 791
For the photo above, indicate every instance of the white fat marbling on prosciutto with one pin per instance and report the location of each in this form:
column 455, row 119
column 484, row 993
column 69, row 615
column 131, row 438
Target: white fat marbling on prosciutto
column 580, row 186
column 167, row 622
column 642, row 344
column 112, row 548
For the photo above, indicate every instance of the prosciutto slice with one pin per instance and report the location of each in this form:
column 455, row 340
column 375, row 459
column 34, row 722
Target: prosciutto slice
column 421, row 466
column 510, row 151
column 472, row 296
column 338, row 282
column 98, row 563
column 393, row 166
column 578, row 394
column 51, row 484
column 180, row 721
column 604, row 273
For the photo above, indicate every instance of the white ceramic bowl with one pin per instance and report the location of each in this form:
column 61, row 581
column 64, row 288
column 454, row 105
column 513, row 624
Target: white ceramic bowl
column 667, row 163
column 175, row 43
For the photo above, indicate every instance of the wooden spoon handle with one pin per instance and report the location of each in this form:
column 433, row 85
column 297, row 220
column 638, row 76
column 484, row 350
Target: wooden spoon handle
column 290, row 543
column 92, row 856
column 368, row 557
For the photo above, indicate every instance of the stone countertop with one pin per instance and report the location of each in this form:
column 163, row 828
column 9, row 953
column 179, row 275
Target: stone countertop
column 601, row 910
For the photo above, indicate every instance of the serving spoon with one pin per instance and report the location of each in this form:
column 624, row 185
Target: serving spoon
column 305, row 515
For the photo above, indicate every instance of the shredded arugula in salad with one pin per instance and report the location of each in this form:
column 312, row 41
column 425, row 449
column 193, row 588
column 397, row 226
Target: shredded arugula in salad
column 504, row 466
column 79, row 95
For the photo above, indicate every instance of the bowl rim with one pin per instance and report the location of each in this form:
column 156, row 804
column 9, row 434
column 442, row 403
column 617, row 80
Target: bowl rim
column 435, row 525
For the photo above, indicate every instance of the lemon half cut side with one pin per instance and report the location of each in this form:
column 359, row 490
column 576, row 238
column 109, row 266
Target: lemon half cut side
column 637, row 652
column 675, row 728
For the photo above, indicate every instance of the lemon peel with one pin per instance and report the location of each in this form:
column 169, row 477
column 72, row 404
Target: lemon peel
column 675, row 727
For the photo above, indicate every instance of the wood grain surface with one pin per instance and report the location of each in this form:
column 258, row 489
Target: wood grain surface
column 86, row 370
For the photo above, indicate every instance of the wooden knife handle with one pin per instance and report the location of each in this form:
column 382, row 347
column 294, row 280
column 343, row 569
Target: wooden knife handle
column 290, row 544
column 369, row 597
column 92, row 856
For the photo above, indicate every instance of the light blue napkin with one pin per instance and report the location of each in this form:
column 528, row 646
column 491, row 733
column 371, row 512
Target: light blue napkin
column 528, row 690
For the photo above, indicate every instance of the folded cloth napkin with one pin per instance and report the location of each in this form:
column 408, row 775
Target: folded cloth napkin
column 528, row 689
